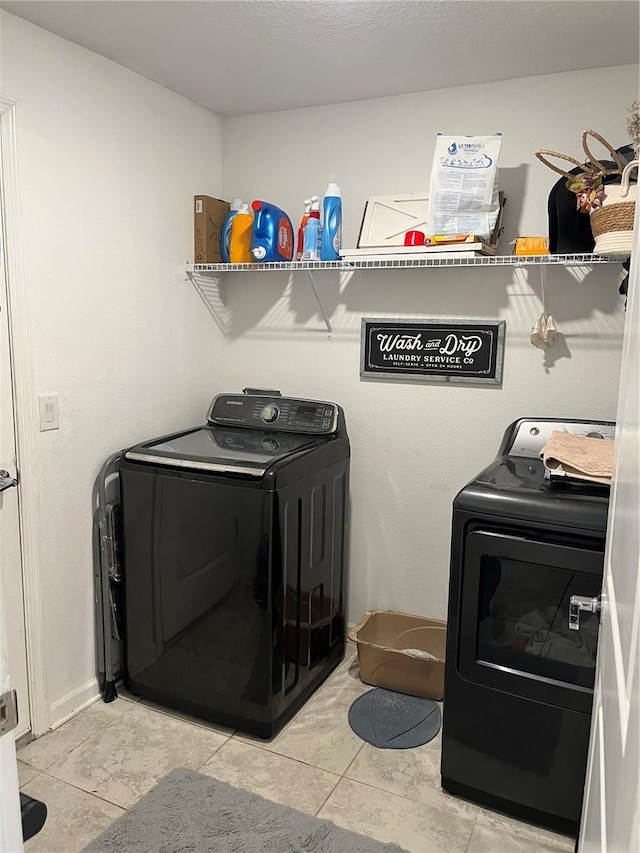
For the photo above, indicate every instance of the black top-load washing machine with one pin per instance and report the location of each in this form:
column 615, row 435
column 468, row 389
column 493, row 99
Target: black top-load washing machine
column 234, row 540
column 520, row 666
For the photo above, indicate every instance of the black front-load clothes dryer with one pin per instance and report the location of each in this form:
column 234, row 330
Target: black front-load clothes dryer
column 519, row 669
column 234, row 540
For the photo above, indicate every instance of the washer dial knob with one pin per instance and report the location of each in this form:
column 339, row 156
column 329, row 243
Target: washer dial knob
column 270, row 413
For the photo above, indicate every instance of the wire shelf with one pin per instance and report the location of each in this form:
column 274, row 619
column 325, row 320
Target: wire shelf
column 346, row 265
column 207, row 276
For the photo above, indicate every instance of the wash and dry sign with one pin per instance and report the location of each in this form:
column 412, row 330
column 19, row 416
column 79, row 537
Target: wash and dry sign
column 433, row 350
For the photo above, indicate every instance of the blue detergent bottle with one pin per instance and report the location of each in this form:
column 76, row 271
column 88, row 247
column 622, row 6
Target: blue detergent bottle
column 272, row 235
column 225, row 237
column 331, row 223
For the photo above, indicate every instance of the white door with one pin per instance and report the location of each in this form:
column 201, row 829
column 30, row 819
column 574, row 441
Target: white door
column 611, row 817
column 10, row 551
column 10, row 819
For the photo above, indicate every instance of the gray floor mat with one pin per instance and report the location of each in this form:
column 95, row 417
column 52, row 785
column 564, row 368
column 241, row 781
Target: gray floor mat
column 392, row 720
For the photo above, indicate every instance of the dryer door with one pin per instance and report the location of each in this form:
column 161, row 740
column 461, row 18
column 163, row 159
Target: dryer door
column 514, row 627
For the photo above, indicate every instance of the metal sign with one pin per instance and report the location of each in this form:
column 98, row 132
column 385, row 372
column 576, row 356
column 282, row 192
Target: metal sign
column 433, row 350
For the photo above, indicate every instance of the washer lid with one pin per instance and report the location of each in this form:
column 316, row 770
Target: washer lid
column 223, row 450
column 515, row 487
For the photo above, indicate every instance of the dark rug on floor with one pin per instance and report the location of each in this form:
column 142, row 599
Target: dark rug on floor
column 192, row 813
column 391, row 720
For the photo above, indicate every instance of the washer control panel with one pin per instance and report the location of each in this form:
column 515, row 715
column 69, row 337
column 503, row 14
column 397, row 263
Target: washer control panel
column 530, row 436
column 284, row 414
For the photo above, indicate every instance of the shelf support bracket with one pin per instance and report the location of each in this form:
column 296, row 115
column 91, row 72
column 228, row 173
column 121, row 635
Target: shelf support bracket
column 320, row 306
column 210, row 293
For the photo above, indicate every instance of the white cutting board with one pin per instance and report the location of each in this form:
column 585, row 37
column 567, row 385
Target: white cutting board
column 387, row 218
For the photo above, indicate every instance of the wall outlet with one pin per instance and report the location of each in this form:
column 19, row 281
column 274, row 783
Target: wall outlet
column 49, row 413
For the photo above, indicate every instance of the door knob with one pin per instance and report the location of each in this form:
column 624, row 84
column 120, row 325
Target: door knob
column 6, row 480
column 582, row 602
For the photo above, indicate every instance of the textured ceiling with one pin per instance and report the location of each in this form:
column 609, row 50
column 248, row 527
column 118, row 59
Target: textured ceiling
column 250, row 56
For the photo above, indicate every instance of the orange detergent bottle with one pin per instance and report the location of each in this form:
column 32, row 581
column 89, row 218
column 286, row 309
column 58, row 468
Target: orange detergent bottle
column 240, row 245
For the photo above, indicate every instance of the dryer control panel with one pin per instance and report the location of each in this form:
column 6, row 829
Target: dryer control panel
column 281, row 414
column 529, row 435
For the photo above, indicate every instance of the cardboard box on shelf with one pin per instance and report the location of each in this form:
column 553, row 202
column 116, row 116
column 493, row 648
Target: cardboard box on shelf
column 209, row 216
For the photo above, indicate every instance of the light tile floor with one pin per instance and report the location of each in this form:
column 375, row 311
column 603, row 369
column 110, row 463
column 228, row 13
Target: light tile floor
column 102, row 761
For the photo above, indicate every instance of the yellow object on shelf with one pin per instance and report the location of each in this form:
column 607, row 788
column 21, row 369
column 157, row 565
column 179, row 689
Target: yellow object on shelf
column 532, row 246
column 437, row 239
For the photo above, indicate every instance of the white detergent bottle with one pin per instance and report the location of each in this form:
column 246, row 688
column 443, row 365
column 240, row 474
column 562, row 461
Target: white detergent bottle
column 331, row 223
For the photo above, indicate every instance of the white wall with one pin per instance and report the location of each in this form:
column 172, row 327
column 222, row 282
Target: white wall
column 109, row 165
column 414, row 445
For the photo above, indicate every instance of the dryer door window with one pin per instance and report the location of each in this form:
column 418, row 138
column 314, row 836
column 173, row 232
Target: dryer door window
column 515, row 632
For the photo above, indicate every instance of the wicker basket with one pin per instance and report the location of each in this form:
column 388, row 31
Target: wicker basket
column 612, row 223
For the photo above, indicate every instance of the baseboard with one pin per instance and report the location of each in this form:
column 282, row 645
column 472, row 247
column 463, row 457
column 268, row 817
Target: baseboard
column 74, row 702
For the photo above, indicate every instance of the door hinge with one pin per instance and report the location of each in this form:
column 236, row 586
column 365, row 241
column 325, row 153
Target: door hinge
column 8, row 711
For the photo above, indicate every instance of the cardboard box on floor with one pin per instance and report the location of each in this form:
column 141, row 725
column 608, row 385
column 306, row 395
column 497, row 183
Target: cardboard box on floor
column 209, row 216
column 393, row 649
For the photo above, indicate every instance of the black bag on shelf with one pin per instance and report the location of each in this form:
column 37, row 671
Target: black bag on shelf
column 569, row 229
